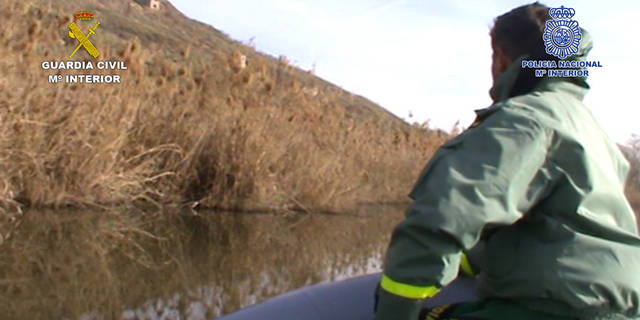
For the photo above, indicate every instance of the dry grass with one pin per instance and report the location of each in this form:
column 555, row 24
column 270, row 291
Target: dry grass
column 190, row 128
column 633, row 181
column 633, row 195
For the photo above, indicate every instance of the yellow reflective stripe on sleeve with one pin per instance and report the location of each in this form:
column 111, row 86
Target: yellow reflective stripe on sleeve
column 465, row 265
column 407, row 290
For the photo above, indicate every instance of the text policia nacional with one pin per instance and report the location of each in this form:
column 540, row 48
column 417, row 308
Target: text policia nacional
column 562, row 68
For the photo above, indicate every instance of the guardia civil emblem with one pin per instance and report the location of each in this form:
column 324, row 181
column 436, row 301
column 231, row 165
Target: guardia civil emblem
column 561, row 34
column 76, row 33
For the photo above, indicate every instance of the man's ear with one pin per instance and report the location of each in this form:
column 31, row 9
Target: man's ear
column 502, row 60
column 499, row 62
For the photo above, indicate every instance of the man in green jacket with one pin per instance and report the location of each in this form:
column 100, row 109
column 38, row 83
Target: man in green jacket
column 535, row 188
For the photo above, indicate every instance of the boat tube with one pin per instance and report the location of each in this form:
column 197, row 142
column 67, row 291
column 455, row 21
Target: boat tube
column 351, row 299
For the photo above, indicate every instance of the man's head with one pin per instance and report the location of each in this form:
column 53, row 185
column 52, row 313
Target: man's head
column 516, row 33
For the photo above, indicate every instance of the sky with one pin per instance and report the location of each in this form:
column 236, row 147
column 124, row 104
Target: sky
column 426, row 60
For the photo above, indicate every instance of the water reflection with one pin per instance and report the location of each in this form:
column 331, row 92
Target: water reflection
column 290, row 253
column 208, row 302
column 140, row 265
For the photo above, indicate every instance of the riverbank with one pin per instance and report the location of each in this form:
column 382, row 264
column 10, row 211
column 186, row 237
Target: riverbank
column 188, row 125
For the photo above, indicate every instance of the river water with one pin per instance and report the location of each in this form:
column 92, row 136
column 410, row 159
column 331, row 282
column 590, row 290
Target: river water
column 208, row 301
column 305, row 250
column 214, row 268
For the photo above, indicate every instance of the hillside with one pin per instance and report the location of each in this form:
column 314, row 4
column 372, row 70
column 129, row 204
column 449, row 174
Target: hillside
column 190, row 123
column 632, row 188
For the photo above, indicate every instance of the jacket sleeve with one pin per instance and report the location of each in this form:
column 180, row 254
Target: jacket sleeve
column 486, row 177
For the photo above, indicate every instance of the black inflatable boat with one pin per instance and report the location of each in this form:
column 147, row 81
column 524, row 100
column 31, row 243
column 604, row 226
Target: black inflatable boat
column 350, row 299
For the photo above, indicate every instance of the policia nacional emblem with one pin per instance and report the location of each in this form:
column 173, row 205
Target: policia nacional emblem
column 76, row 33
column 561, row 34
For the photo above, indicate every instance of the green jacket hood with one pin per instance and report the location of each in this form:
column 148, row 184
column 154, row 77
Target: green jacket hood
column 503, row 88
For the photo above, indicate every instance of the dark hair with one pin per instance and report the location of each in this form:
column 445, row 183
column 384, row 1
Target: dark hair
column 519, row 32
